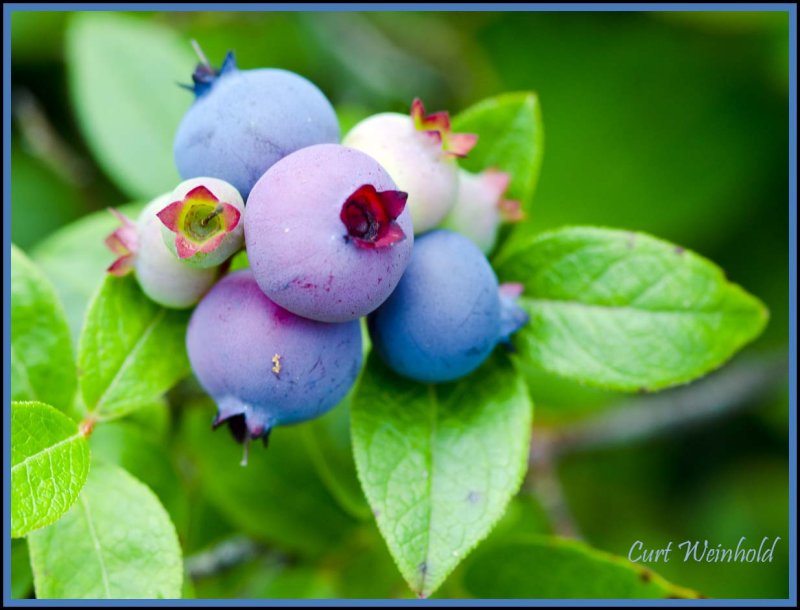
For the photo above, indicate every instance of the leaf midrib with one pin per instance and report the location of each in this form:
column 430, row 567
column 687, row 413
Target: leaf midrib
column 431, row 444
column 45, row 451
column 96, row 545
column 129, row 358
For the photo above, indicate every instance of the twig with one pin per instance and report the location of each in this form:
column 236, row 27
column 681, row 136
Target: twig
column 224, row 555
column 636, row 419
column 42, row 140
column 544, row 483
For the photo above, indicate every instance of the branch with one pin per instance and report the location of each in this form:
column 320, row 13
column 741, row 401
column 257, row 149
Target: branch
column 718, row 395
column 544, row 483
column 224, row 555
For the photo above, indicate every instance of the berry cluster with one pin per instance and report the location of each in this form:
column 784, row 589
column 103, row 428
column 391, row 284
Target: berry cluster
column 333, row 233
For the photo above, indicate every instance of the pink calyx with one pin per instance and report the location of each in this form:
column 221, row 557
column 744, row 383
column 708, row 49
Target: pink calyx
column 437, row 126
column 200, row 221
column 123, row 242
column 497, row 182
column 371, row 217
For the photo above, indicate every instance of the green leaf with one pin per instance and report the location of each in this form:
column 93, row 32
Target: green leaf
column 130, row 445
column 552, row 568
column 75, row 259
column 277, row 498
column 510, row 138
column 42, row 363
column 49, row 463
column 440, row 463
column 123, row 83
column 625, row 311
column 41, row 199
column 21, row 576
column 116, row 542
column 131, row 350
column 329, row 445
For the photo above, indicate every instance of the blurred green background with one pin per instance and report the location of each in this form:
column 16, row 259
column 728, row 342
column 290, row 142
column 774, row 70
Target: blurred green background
column 670, row 123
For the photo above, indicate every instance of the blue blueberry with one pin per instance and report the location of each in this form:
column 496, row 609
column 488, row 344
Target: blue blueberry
column 244, row 121
column 446, row 314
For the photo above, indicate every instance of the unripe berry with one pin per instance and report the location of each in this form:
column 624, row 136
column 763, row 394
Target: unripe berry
column 202, row 225
column 481, row 207
column 419, row 153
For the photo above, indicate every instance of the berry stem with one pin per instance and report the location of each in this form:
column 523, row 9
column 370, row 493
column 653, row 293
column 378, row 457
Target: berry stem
column 86, row 427
column 200, row 55
column 246, row 450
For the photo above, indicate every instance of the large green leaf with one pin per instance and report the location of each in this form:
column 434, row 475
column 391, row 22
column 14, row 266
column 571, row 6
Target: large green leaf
column 75, row 259
column 123, row 83
column 131, row 350
column 552, row 568
column 21, row 576
column 41, row 199
column 439, row 464
column 116, row 542
column 277, row 497
column 42, row 362
column 138, row 450
column 626, row 311
column 510, row 138
column 49, row 463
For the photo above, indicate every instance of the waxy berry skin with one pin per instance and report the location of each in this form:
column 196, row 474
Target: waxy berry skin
column 244, row 121
column 445, row 316
column 263, row 365
column 162, row 276
column 328, row 236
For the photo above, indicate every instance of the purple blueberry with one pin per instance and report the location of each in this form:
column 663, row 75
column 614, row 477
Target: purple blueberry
column 264, row 365
column 243, row 121
column 327, row 233
column 446, row 314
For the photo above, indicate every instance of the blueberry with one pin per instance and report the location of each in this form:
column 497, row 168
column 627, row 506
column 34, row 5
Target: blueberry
column 481, row 207
column 243, row 121
column 202, row 225
column 327, row 233
column 419, row 153
column 162, row 276
column 263, row 365
column 446, row 314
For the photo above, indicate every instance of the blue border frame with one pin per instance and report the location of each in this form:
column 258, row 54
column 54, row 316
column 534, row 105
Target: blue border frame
column 791, row 601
